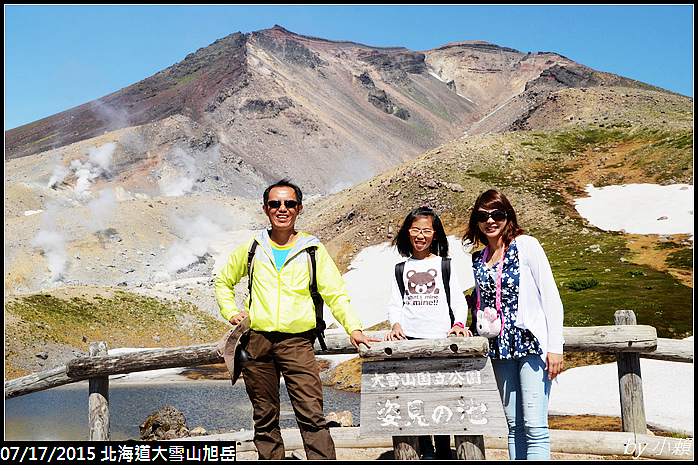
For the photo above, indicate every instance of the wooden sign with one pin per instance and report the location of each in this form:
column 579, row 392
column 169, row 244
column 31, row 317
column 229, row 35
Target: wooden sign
column 427, row 396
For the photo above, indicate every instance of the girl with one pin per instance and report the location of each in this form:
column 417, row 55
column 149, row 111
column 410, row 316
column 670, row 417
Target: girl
column 424, row 310
column 513, row 277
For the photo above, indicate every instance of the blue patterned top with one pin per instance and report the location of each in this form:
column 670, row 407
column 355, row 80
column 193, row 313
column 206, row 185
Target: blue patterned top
column 514, row 342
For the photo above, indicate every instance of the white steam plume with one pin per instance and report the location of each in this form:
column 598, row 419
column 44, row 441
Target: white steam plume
column 186, row 170
column 186, row 177
column 351, row 172
column 59, row 174
column 197, row 237
column 102, row 208
column 98, row 163
column 53, row 242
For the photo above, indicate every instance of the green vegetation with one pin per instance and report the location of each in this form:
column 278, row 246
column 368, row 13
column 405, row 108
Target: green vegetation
column 681, row 259
column 43, row 139
column 581, row 284
column 123, row 319
column 185, row 79
column 657, row 298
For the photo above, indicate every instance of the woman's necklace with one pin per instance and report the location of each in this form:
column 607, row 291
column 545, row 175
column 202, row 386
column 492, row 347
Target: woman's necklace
column 496, row 256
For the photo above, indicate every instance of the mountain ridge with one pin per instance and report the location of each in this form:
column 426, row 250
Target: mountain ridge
column 351, row 110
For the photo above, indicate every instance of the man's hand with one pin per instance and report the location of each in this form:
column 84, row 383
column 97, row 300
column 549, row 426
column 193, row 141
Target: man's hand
column 238, row 318
column 358, row 337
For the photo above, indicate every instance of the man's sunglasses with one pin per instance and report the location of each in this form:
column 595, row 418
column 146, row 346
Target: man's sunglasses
column 287, row 203
column 496, row 215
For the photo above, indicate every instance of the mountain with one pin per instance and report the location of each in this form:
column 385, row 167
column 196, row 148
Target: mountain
column 129, row 194
column 270, row 103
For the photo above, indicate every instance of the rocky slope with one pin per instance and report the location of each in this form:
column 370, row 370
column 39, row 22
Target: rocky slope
column 267, row 104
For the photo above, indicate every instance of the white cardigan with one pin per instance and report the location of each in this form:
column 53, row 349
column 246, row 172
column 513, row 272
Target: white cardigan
column 540, row 307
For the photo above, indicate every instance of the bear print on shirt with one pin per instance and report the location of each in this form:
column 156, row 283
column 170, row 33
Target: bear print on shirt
column 422, row 283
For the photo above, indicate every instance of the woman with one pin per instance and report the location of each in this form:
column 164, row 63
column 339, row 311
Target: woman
column 513, row 278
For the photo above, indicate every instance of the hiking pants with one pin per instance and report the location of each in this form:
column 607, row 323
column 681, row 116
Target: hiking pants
column 292, row 355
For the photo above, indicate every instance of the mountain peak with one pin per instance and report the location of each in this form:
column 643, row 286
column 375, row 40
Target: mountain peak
column 268, row 98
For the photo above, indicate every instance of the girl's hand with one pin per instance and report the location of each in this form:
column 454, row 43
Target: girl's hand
column 553, row 364
column 458, row 331
column 396, row 333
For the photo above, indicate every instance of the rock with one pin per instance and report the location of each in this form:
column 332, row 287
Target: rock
column 198, row 431
column 166, row 423
column 343, row 419
column 430, row 183
column 455, row 187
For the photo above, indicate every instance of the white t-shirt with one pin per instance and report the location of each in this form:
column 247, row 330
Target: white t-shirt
column 423, row 313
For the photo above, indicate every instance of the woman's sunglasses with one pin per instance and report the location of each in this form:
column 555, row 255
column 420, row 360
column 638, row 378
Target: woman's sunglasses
column 496, row 215
column 277, row 203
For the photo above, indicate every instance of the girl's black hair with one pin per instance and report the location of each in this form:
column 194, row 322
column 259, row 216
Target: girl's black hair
column 439, row 244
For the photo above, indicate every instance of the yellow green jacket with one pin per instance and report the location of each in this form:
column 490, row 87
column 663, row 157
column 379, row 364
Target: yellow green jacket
column 281, row 300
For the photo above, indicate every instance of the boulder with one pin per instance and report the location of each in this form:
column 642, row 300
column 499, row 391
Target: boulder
column 166, row 423
column 343, row 419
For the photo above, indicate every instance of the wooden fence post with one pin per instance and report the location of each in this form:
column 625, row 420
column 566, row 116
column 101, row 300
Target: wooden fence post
column 406, row 447
column 632, row 404
column 99, row 399
column 470, row 447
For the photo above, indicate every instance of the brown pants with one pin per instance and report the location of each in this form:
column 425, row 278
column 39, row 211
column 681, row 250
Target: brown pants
column 291, row 355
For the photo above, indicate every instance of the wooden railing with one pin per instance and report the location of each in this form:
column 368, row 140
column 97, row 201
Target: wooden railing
column 626, row 339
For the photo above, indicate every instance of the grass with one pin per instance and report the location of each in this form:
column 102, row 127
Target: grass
column 681, row 259
column 122, row 319
column 657, row 298
column 581, row 284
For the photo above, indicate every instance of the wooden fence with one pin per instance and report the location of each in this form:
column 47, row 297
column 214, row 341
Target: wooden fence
column 626, row 339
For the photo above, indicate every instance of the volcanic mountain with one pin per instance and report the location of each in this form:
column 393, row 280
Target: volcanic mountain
column 260, row 106
column 146, row 189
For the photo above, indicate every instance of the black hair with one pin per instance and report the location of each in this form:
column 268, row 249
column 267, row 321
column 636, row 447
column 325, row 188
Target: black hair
column 439, row 245
column 284, row 183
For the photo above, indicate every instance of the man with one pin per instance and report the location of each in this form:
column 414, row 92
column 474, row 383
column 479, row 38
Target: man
column 282, row 319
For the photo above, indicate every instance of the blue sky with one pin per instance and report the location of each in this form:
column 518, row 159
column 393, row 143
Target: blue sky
column 61, row 56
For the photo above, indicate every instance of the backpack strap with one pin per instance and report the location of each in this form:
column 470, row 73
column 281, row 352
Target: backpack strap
column 250, row 259
column 317, row 299
column 399, row 269
column 446, row 277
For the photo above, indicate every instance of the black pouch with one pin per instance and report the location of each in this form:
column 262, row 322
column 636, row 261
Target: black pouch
column 242, row 356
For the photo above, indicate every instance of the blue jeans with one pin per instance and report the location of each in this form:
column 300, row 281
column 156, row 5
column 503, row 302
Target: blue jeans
column 525, row 388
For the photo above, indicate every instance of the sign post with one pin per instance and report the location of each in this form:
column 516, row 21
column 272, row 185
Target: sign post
column 447, row 391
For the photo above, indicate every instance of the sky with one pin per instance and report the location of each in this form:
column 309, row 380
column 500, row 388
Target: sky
column 60, row 56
